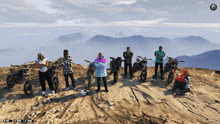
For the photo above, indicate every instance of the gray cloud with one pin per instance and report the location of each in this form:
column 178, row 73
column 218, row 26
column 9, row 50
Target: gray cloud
column 17, row 11
column 96, row 11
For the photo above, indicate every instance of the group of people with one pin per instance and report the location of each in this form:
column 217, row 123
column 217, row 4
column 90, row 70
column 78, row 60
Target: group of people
column 100, row 64
column 66, row 62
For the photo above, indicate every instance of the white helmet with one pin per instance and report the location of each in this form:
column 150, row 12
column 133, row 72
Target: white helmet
column 84, row 92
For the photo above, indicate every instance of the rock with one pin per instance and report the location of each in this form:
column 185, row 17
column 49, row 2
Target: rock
column 32, row 108
column 38, row 104
column 26, row 116
column 100, row 116
column 64, row 104
column 37, row 112
column 38, row 98
column 57, row 111
column 109, row 103
column 67, row 115
column 1, row 106
column 2, row 100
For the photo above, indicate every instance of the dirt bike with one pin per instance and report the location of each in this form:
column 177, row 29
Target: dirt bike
column 90, row 73
column 141, row 65
column 115, row 66
column 16, row 76
column 171, row 67
column 20, row 76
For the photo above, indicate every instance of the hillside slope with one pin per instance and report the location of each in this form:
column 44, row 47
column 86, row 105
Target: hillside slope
column 128, row 101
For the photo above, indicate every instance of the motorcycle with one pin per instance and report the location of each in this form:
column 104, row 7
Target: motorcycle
column 90, row 73
column 141, row 65
column 53, row 71
column 115, row 65
column 20, row 76
column 16, row 75
column 171, row 67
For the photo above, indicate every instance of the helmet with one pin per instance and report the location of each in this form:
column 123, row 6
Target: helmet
column 84, row 92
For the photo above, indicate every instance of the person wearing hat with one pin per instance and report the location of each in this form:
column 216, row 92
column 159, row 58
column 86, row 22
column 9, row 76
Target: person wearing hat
column 128, row 62
column 42, row 62
column 159, row 61
column 67, row 69
column 181, row 82
column 100, row 64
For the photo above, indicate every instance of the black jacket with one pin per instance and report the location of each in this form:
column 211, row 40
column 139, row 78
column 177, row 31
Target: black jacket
column 128, row 57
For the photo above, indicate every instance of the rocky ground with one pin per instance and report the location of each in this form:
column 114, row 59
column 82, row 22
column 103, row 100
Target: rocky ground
column 128, row 101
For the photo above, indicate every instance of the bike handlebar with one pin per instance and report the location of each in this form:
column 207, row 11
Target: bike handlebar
column 112, row 58
column 149, row 59
column 139, row 56
column 86, row 60
column 169, row 57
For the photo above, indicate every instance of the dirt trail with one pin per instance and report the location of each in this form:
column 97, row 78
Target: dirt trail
column 128, row 101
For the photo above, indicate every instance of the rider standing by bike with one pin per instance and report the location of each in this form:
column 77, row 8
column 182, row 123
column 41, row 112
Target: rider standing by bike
column 100, row 64
column 181, row 82
column 128, row 62
column 159, row 61
column 42, row 62
column 67, row 69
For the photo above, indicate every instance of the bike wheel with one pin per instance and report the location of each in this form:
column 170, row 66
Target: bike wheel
column 170, row 78
column 90, row 80
column 28, row 88
column 10, row 81
column 116, row 75
column 55, row 83
column 143, row 75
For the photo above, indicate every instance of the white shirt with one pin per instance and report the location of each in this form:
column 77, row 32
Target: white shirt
column 43, row 68
column 188, row 82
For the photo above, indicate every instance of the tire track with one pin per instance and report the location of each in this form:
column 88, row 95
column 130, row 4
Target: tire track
column 44, row 112
column 97, row 120
column 113, row 118
column 77, row 107
column 184, row 104
column 134, row 95
column 213, row 108
column 65, row 108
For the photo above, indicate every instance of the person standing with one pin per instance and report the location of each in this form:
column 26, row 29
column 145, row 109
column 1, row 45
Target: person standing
column 100, row 64
column 42, row 62
column 128, row 62
column 67, row 69
column 159, row 61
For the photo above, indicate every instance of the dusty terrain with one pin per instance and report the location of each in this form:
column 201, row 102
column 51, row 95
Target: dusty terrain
column 128, row 101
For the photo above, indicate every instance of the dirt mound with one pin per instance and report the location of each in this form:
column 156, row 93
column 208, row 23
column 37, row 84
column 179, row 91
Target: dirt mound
column 128, row 101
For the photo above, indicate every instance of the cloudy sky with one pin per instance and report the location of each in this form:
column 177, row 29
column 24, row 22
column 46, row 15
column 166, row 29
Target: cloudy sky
column 40, row 20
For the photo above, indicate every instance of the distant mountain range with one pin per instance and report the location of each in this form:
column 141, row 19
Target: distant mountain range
column 193, row 49
column 146, row 46
column 72, row 37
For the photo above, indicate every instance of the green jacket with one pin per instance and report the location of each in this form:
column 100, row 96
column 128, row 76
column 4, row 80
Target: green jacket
column 159, row 59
